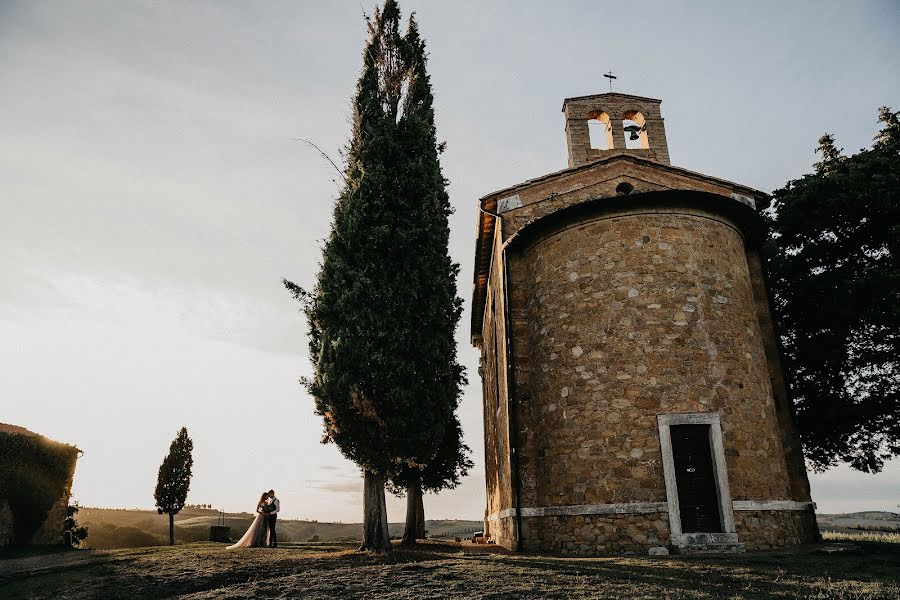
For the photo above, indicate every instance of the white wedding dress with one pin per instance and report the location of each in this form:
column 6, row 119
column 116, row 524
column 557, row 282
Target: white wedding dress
column 257, row 535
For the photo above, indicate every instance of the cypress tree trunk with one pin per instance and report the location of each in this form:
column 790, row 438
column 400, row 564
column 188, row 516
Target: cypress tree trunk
column 413, row 502
column 171, row 529
column 375, row 524
column 420, row 509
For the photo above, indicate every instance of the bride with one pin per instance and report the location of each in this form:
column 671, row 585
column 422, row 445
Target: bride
column 258, row 534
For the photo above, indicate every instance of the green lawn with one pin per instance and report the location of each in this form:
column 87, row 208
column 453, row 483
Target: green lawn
column 861, row 570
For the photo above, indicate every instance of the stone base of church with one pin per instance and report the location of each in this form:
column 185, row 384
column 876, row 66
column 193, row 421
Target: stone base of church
column 596, row 534
column 638, row 533
column 768, row 529
column 584, row 534
column 502, row 531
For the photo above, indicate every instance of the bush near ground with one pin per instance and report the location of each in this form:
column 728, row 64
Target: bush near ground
column 33, row 477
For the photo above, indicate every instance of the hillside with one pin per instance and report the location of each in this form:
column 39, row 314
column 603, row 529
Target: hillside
column 860, row 521
column 119, row 528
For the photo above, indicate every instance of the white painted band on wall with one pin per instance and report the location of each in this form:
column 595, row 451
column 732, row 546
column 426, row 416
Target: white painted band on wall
column 638, row 508
column 772, row 505
column 623, row 508
column 506, row 513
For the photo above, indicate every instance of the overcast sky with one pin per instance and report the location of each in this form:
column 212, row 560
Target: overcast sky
column 152, row 197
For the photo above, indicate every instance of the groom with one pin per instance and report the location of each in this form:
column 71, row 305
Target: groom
column 274, row 507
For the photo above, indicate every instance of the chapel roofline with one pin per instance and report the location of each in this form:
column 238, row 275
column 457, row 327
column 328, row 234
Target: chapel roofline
column 627, row 156
column 486, row 221
column 609, row 95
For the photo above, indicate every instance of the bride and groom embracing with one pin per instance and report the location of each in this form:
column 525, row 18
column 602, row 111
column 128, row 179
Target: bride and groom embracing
column 261, row 533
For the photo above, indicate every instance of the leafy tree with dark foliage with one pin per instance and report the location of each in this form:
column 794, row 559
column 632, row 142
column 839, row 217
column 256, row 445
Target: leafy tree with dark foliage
column 383, row 314
column 174, row 479
column 833, row 266
column 72, row 532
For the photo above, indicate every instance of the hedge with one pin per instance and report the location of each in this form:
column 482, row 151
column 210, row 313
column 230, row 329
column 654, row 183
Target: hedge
column 34, row 472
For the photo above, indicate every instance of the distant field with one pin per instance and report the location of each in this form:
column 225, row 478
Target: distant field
column 111, row 528
column 874, row 521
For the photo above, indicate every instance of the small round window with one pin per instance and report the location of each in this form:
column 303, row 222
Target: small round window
column 624, row 188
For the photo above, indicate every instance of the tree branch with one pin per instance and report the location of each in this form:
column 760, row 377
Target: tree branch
column 323, row 154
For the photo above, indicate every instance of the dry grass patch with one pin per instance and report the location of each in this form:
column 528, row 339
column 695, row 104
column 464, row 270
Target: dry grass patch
column 434, row 570
column 868, row 536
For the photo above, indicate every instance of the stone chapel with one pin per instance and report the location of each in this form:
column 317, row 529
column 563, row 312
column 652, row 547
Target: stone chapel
column 633, row 396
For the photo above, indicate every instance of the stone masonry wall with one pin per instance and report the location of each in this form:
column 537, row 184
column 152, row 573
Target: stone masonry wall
column 790, row 437
column 596, row 534
column 636, row 533
column 496, row 423
column 767, row 529
column 503, row 532
column 630, row 316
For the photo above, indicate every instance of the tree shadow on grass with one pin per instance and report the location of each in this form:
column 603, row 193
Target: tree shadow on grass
column 781, row 574
column 441, row 570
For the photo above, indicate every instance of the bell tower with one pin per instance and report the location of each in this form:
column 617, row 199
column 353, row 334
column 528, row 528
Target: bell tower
column 602, row 125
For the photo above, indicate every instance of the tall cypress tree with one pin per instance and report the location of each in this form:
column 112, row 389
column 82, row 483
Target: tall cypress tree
column 174, row 479
column 384, row 310
column 449, row 461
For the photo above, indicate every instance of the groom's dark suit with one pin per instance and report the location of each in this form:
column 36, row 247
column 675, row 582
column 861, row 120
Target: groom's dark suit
column 274, row 507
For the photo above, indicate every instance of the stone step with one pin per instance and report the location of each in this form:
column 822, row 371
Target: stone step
column 707, row 543
column 710, row 549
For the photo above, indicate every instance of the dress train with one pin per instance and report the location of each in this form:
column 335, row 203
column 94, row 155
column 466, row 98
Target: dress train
column 257, row 535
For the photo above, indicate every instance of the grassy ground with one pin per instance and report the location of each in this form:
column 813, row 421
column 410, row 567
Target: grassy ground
column 862, row 536
column 859, row 571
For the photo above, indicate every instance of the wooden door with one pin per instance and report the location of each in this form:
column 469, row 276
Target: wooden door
column 695, row 477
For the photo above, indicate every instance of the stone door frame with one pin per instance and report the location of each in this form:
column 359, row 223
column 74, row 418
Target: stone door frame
column 726, row 508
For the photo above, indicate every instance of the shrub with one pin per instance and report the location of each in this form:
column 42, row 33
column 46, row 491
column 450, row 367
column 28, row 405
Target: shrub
column 76, row 534
column 34, row 474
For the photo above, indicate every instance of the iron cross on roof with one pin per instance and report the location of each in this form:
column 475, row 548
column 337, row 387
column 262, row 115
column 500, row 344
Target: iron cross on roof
column 610, row 76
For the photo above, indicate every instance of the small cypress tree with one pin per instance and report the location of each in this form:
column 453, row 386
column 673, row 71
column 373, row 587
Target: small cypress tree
column 384, row 311
column 174, row 479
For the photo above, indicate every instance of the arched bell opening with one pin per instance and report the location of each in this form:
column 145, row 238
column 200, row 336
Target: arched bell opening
column 600, row 131
column 635, row 127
